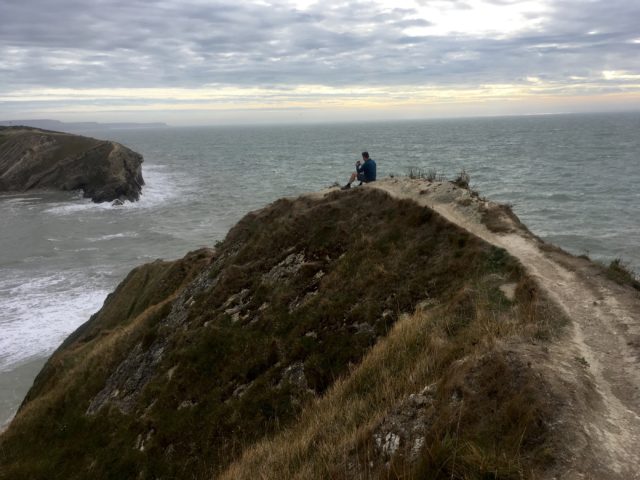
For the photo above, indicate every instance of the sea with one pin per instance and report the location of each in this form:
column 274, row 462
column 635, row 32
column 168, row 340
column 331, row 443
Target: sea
column 573, row 180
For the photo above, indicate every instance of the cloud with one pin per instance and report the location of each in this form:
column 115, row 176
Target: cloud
column 273, row 45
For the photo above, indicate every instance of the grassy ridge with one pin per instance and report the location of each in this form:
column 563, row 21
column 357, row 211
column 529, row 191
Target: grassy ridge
column 488, row 413
column 204, row 359
column 40, row 159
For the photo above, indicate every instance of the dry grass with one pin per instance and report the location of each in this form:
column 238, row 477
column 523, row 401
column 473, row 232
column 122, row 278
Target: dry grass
column 621, row 273
column 474, row 436
column 500, row 218
column 84, row 360
column 462, row 180
column 340, row 316
column 430, row 175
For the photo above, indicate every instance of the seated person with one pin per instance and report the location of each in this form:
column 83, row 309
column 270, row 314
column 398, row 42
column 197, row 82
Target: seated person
column 365, row 171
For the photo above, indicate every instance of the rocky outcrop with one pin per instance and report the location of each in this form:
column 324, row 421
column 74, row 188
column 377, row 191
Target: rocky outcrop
column 40, row 159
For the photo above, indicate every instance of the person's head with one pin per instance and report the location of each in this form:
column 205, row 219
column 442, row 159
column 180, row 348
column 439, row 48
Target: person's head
column 365, row 155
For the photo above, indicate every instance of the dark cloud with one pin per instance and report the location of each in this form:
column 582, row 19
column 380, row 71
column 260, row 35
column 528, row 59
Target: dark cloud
column 171, row 43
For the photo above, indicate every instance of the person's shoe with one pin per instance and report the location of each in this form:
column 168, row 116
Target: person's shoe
column 360, row 184
column 346, row 187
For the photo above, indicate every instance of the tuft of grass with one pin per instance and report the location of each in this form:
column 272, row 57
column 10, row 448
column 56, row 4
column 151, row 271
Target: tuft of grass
column 500, row 218
column 621, row 273
column 430, row 175
column 462, row 180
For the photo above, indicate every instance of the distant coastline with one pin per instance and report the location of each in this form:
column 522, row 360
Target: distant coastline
column 58, row 125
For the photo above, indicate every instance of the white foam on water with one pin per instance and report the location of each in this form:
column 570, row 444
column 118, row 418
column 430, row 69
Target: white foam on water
column 102, row 238
column 80, row 205
column 16, row 203
column 39, row 312
column 160, row 187
column 18, row 199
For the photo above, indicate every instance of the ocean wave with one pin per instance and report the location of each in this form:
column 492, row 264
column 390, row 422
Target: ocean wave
column 19, row 199
column 78, row 206
column 38, row 313
column 160, row 187
column 112, row 236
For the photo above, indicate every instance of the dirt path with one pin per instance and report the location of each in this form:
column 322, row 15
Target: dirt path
column 604, row 339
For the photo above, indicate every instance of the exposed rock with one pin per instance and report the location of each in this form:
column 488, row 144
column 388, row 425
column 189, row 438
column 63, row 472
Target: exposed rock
column 143, row 440
column 294, row 374
column 299, row 302
column 131, row 375
column 406, row 426
column 364, row 329
column 187, row 404
column 241, row 390
column 123, row 387
column 236, row 304
column 286, row 268
column 39, row 159
column 509, row 290
column 171, row 371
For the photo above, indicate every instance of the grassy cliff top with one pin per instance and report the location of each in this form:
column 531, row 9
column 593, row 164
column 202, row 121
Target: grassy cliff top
column 397, row 330
column 32, row 158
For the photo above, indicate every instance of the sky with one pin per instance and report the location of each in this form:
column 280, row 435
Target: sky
column 195, row 62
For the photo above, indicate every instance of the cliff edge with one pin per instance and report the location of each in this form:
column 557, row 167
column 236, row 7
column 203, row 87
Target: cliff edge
column 404, row 329
column 40, row 159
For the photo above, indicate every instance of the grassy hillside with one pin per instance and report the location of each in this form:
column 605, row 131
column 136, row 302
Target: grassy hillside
column 66, row 146
column 347, row 336
column 40, row 159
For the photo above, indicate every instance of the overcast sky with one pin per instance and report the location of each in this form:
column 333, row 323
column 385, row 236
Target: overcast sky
column 199, row 62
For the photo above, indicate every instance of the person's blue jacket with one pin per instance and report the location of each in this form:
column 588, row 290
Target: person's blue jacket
column 367, row 171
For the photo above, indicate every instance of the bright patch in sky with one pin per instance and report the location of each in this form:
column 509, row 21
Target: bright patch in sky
column 476, row 56
column 475, row 17
column 619, row 75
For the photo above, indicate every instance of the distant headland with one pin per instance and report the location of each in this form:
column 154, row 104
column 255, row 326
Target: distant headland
column 35, row 159
column 49, row 124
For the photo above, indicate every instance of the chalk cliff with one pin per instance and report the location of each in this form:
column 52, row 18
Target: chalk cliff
column 40, row 159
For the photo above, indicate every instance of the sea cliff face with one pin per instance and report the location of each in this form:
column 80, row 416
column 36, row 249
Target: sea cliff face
column 337, row 335
column 40, row 159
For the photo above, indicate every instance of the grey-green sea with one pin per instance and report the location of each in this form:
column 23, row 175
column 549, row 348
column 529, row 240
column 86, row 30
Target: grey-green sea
column 572, row 179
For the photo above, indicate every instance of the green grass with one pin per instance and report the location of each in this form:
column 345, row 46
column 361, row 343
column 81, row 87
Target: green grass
column 368, row 259
column 73, row 145
column 489, row 418
column 621, row 273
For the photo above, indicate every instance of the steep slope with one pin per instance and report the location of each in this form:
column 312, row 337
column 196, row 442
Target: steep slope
column 41, row 159
column 587, row 377
column 338, row 335
column 604, row 333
